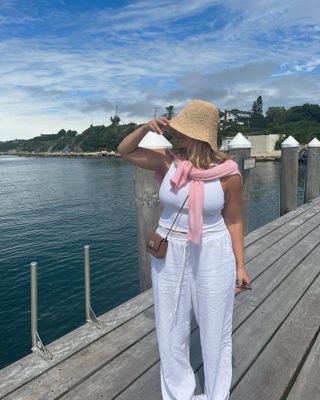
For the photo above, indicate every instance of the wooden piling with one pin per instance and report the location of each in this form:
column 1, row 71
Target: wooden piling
column 148, row 210
column 239, row 149
column 312, row 180
column 289, row 175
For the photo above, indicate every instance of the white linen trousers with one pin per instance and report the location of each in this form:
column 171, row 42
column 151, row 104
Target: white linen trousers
column 201, row 277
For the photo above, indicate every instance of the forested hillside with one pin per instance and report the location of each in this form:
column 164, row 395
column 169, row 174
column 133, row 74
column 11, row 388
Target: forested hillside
column 302, row 122
column 94, row 138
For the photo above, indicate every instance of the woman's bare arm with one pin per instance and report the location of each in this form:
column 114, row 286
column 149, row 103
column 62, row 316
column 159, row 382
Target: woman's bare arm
column 232, row 216
column 233, row 220
column 145, row 158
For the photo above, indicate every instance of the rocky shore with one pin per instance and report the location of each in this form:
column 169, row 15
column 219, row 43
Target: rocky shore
column 260, row 156
column 63, row 154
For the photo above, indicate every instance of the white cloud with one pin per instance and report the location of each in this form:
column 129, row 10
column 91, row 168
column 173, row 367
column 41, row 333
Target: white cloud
column 145, row 55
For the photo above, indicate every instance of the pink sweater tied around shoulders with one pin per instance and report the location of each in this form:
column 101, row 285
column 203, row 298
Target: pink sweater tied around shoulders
column 186, row 171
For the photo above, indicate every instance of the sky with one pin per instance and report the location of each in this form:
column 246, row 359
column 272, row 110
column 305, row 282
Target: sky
column 69, row 63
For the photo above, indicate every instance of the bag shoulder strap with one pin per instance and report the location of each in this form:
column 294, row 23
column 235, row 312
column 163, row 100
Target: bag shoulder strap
column 176, row 216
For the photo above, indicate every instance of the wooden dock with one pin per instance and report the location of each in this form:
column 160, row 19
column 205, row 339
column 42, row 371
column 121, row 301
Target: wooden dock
column 276, row 341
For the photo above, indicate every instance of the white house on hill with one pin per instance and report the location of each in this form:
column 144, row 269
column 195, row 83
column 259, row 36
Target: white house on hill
column 238, row 116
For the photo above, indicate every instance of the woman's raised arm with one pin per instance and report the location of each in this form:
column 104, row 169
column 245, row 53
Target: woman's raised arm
column 144, row 158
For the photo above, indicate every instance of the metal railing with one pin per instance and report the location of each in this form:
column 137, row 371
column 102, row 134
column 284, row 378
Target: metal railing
column 90, row 315
column 37, row 346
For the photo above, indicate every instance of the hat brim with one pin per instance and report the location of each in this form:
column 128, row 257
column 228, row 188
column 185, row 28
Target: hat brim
column 185, row 130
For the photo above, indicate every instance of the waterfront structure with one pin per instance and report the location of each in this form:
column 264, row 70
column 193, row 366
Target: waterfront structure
column 263, row 143
column 276, row 341
column 260, row 143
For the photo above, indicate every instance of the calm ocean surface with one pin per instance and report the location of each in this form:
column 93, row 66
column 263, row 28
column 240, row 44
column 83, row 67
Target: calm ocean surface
column 51, row 208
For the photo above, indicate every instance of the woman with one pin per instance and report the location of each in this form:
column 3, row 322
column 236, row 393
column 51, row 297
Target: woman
column 205, row 255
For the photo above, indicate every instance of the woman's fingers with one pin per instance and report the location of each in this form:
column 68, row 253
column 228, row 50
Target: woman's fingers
column 166, row 120
column 244, row 285
column 163, row 122
column 244, row 282
column 155, row 127
column 158, row 125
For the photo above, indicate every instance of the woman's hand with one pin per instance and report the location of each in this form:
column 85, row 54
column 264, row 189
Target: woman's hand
column 158, row 125
column 153, row 159
column 243, row 281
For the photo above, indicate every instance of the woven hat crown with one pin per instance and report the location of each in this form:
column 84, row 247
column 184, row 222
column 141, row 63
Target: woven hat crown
column 198, row 120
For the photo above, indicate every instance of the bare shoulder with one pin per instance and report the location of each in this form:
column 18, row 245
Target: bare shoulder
column 167, row 159
column 231, row 183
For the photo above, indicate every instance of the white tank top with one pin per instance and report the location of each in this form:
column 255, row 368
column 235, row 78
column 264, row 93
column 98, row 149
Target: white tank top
column 172, row 201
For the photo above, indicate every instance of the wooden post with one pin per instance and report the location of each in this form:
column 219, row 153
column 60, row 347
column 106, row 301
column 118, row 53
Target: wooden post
column 148, row 210
column 240, row 149
column 148, row 206
column 312, row 179
column 289, row 175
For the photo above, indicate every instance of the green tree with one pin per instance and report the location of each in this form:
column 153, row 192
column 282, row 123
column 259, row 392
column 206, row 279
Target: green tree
column 276, row 115
column 307, row 112
column 61, row 133
column 259, row 106
column 115, row 120
column 254, row 109
column 170, row 112
column 257, row 118
column 71, row 134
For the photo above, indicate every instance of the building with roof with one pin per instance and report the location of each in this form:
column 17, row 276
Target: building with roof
column 235, row 116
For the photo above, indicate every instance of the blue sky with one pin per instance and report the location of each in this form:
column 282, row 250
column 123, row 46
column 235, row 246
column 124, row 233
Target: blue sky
column 65, row 63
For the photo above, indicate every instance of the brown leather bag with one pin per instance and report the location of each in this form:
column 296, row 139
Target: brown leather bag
column 157, row 245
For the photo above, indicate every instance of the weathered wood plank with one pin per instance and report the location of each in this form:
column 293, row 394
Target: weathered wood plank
column 307, row 384
column 147, row 386
column 64, row 376
column 260, row 232
column 275, row 257
column 263, row 289
column 272, row 266
column 30, row 367
column 252, row 336
column 121, row 372
column 316, row 235
column 86, row 362
column 278, row 242
column 271, row 373
column 273, row 237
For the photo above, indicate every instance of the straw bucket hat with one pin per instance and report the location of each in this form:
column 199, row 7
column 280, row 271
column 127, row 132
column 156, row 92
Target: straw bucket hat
column 198, row 120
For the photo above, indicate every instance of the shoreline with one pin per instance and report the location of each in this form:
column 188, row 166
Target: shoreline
column 260, row 156
column 274, row 155
column 91, row 154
